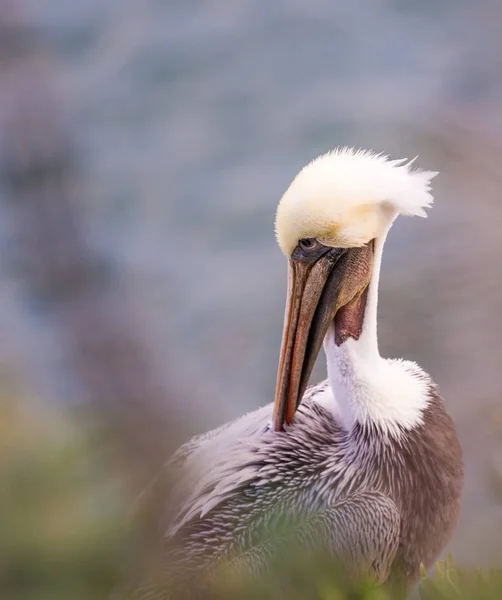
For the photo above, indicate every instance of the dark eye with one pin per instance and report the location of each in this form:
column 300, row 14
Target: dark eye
column 307, row 243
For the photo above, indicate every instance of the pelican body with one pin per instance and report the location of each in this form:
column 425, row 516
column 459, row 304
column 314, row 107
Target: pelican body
column 367, row 462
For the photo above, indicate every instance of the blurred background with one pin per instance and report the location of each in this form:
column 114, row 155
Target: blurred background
column 144, row 146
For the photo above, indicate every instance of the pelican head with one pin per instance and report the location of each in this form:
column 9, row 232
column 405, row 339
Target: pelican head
column 330, row 224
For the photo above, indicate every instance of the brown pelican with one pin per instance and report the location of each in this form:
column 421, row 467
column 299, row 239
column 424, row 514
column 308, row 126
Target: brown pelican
column 368, row 460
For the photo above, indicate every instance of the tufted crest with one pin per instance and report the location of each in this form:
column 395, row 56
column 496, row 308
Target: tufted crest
column 347, row 197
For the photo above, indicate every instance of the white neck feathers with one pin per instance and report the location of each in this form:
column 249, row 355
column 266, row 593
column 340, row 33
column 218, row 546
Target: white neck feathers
column 391, row 394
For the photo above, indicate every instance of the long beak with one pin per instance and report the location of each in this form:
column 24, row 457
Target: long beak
column 315, row 293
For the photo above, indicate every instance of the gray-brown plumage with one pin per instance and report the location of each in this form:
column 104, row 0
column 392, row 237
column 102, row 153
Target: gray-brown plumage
column 368, row 464
column 380, row 504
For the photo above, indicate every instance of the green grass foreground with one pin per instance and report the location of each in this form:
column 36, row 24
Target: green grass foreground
column 299, row 579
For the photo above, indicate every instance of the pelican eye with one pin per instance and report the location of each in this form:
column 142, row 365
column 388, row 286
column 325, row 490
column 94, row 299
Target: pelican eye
column 307, row 243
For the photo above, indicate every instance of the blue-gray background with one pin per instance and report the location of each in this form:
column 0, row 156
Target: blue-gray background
column 191, row 119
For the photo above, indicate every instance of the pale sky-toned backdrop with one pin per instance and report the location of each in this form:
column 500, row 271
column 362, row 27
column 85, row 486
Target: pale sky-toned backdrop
column 192, row 117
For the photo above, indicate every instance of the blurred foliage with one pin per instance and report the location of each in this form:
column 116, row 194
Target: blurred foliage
column 315, row 579
column 452, row 582
column 297, row 575
column 63, row 514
